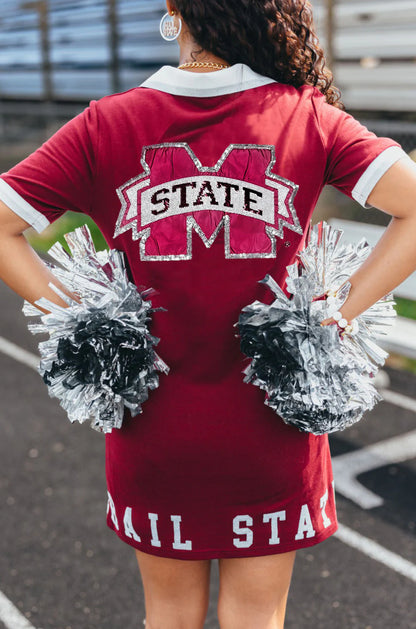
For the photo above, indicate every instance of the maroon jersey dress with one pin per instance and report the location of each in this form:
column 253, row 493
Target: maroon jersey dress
column 207, row 182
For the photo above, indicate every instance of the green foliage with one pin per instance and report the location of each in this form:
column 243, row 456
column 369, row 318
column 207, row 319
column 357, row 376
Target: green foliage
column 406, row 307
column 66, row 223
column 410, row 365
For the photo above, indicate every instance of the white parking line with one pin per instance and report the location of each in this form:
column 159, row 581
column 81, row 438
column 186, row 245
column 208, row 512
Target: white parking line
column 10, row 615
column 370, row 548
column 348, row 466
column 398, row 399
column 18, row 353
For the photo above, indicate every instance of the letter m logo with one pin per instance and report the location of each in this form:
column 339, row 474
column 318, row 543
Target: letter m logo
column 176, row 196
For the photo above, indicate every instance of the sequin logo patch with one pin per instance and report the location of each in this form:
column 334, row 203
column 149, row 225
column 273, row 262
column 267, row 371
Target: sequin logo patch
column 176, row 196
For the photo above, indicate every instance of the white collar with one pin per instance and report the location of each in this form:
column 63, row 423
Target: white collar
column 236, row 78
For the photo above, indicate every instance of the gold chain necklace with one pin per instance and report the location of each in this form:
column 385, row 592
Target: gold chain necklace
column 204, row 64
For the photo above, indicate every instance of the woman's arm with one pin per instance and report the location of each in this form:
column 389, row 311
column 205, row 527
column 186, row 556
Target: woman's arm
column 393, row 259
column 20, row 267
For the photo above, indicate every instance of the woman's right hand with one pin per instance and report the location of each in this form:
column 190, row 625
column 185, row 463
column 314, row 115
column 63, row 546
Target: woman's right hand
column 20, row 266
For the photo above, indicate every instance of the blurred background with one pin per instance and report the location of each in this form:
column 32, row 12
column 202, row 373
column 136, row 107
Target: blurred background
column 60, row 566
column 57, row 55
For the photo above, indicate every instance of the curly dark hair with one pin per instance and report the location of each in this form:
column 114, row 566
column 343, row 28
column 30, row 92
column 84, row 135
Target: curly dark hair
column 276, row 38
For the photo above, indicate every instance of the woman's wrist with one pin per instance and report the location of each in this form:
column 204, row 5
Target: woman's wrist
column 344, row 323
column 349, row 327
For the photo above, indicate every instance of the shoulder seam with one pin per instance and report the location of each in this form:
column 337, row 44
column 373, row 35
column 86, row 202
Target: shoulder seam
column 321, row 135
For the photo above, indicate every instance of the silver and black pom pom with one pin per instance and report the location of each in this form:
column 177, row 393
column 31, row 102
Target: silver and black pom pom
column 100, row 356
column 315, row 379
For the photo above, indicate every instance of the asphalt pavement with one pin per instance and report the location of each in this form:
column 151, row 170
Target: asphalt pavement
column 62, row 568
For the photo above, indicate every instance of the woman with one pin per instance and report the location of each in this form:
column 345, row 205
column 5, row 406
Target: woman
column 206, row 176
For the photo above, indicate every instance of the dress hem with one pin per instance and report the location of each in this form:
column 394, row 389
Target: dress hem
column 213, row 553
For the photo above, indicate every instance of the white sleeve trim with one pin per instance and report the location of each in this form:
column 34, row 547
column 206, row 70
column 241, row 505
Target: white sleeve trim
column 374, row 173
column 22, row 208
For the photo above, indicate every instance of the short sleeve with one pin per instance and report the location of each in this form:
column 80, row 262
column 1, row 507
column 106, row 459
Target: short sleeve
column 356, row 157
column 58, row 176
